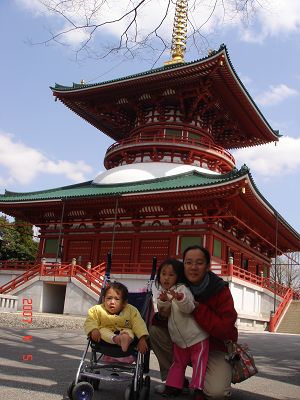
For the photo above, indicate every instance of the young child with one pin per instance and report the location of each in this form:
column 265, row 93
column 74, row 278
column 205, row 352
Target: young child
column 116, row 321
column 176, row 302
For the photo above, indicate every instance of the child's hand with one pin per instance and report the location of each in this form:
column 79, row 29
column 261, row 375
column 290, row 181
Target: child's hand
column 177, row 295
column 142, row 345
column 95, row 335
column 163, row 296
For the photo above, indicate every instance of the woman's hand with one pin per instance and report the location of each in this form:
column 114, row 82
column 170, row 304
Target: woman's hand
column 142, row 345
column 95, row 335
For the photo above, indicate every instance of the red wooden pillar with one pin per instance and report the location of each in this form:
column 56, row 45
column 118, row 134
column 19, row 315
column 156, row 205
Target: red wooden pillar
column 209, row 243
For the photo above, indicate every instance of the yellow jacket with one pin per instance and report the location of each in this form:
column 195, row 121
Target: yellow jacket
column 129, row 318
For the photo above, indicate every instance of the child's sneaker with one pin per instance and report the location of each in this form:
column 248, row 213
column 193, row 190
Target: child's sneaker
column 160, row 388
column 198, row 395
column 186, row 386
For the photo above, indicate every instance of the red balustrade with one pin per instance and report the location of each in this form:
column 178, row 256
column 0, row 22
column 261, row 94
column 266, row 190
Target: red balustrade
column 93, row 277
column 280, row 310
column 20, row 280
column 16, row 265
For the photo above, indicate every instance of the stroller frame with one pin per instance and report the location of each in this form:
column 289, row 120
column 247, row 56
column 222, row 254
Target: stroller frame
column 89, row 377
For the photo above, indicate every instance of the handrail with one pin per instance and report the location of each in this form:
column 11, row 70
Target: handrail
column 19, row 280
column 171, row 140
column 16, row 264
column 93, row 280
column 93, row 277
column 275, row 287
column 100, row 269
column 280, row 309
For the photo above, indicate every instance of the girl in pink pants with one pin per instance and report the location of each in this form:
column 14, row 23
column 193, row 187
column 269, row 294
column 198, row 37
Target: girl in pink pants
column 190, row 342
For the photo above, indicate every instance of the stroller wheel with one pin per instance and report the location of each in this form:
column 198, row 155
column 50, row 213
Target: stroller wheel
column 128, row 393
column 82, row 391
column 70, row 389
column 94, row 383
column 147, row 381
column 144, row 393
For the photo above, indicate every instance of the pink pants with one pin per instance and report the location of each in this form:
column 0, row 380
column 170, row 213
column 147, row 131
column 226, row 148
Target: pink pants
column 197, row 354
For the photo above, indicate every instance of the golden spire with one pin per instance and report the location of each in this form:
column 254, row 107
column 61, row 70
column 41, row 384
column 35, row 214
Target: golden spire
column 179, row 33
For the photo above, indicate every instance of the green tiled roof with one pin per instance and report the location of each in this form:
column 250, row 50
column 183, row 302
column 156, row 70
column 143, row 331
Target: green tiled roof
column 191, row 179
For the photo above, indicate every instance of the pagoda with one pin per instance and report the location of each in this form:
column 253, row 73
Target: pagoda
column 170, row 179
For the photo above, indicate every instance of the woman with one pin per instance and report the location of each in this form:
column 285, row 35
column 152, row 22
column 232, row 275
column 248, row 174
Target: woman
column 214, row 312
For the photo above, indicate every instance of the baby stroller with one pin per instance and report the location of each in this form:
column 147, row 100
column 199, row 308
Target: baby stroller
column 105, row 362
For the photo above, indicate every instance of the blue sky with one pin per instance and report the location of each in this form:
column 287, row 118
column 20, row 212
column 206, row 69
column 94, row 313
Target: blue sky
column 44, row 145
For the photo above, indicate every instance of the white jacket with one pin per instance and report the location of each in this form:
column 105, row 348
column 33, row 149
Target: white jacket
column 183, row 328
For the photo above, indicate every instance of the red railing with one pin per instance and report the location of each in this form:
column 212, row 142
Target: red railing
column 100, row 269
column 280, row 310
column 16, row 265
column 275, row 287
column 20, row 280
column 172, row 140
column 92, row 279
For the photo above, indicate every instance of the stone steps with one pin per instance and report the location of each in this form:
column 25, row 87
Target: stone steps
column 290, row 322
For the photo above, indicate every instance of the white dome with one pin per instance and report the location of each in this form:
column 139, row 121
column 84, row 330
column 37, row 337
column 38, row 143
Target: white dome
column 145, row 171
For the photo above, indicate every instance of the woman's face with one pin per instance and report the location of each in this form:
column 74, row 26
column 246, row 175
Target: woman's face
column 195, row 266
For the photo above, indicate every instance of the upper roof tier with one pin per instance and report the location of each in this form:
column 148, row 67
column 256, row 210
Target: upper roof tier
column 206, row 93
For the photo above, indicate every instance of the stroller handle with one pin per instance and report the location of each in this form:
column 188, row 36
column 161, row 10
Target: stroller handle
column 108, row 266
column 153, row 272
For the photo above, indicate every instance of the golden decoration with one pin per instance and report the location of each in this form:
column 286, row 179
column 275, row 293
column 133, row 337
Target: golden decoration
column 179, row 33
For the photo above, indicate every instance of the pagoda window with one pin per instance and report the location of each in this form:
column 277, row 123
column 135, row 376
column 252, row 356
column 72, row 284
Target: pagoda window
column 187, row 241
column 194, row 136
column 265, row 271
column 257, row 270
column 173, row 132
column 51, row 246
column 217, row 248
column 245, row 263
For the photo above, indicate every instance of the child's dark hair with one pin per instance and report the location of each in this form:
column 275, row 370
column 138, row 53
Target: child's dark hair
column 118, row 287
column 177, row 268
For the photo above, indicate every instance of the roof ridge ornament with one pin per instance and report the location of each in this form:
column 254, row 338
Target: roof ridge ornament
column 179, row 35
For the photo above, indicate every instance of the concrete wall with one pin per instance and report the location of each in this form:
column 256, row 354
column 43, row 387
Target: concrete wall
column 33, row 291
column 77, row 300
column 252, row 303
column 8, row 275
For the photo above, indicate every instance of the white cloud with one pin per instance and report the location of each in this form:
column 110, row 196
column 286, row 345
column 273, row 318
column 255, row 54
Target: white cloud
column 22, row 164
column 270, row 160
column 269, row 18
column 273, row 18
column 275, row 95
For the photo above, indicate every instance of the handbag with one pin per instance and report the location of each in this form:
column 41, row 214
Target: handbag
column 241, row 360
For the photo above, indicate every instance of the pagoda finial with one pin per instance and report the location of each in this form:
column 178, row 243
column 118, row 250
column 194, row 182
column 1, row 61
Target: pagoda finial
column 179, row 33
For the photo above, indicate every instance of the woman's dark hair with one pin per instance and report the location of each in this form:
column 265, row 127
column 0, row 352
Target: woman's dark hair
column 177, row 268
column 118, row 287
column 197, row 247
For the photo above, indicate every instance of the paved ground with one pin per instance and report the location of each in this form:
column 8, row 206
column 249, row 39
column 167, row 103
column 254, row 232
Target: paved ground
column 56, row 353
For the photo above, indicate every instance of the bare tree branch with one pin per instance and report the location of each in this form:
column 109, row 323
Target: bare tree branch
column 86, row 17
